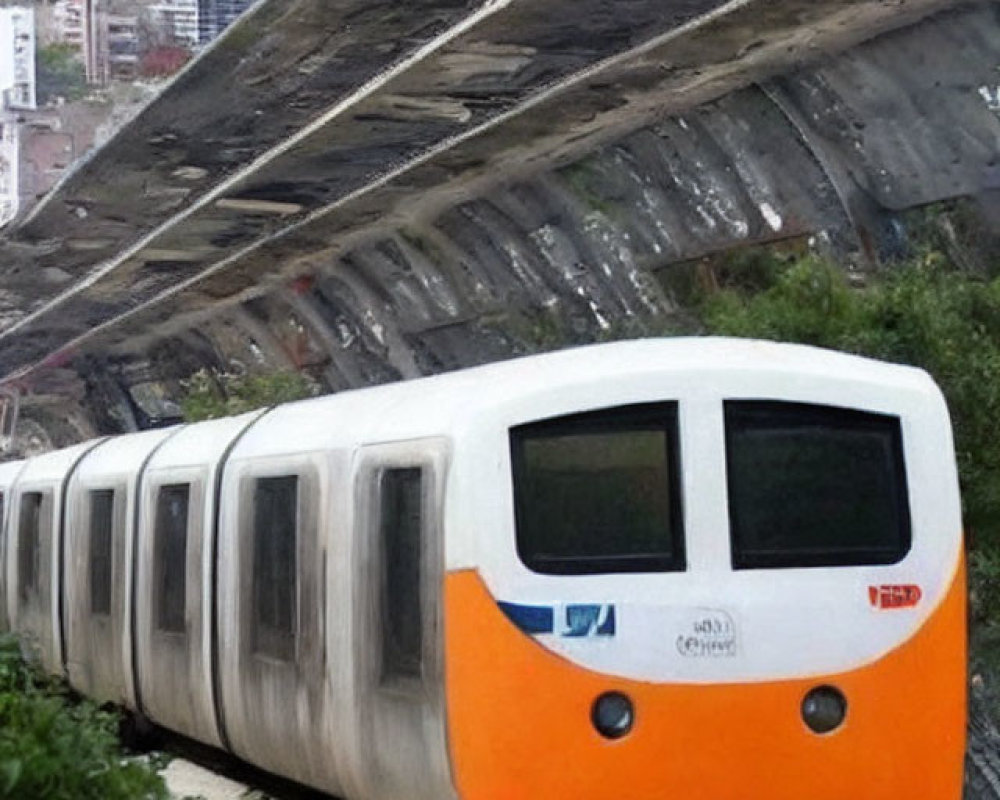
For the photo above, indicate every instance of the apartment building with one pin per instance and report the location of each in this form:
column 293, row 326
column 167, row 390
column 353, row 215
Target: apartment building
column 214, row 16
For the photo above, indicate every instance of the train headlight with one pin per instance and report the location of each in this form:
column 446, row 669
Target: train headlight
column 613, row 715
column 824, row 709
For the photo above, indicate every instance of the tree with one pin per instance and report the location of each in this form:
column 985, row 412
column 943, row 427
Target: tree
column 59, row 73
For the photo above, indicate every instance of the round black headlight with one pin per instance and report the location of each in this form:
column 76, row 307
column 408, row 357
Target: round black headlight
column 824, row 709
column 613, row 715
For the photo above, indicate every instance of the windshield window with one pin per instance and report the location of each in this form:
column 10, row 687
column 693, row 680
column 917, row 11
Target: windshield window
column 598, row 492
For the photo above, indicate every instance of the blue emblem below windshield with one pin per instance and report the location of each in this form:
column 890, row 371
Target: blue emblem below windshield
column 578, row 621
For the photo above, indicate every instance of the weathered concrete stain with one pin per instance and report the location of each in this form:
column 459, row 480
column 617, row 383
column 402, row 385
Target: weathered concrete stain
column 557, row 224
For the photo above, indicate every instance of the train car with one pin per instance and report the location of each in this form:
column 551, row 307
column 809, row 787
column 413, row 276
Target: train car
column 668, row 568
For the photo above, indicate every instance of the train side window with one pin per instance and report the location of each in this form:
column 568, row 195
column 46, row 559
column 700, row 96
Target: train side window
column 102, row 503
column 814, row 486
column 170, row 553
column 599, row 492
column 29, row 543
column 401, row 520
column 274, row 616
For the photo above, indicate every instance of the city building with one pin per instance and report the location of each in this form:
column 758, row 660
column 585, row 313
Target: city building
column 62, row 23
column 17, row 57
column 180, row 18
column 95, row 41
column 112, row 43
column 51, row 140
column 10, row 187
column 70, row 15
column 121, row 34
column 122, row 47
column 17, row 96
column 214, row 16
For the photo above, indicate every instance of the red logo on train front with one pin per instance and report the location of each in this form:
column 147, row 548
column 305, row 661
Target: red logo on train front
column 895, row 596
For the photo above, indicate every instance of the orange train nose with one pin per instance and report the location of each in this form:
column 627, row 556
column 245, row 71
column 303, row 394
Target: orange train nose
column 521, row 721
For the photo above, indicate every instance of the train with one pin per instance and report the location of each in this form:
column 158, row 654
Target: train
column 692, row 567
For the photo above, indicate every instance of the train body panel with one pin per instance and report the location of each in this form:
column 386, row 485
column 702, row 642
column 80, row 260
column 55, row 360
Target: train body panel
column 304, row 688
column 33, row 553
column 176, row 561
column 274, row 530
column 396, row 582
column 99, row 546
column 8, row 475
column 834, row 626
column 519, row 721
column 711, row 645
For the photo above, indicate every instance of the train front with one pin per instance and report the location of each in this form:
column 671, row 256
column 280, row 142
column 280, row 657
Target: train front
column 709, row 583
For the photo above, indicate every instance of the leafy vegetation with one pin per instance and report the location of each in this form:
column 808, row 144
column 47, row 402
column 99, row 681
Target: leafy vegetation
column 209, row 394
column 56, row 746
column 60, row 73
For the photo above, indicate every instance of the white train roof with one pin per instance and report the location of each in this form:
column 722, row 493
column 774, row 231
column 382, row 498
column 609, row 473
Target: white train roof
column 8, row 472
column 52, row 468
column 121, row 457
column 442, row 404
column 200, row 444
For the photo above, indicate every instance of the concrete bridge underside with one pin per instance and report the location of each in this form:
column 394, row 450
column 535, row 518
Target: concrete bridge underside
column 370, row 191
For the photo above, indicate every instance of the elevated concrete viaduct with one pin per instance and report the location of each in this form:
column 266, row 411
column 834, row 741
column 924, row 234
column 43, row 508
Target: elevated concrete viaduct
column 370, row 191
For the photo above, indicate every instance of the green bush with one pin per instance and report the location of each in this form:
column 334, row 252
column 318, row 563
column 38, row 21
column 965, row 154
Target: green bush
column 57, row 747
column 209, row 395
column 925, row 313
column 60, row 73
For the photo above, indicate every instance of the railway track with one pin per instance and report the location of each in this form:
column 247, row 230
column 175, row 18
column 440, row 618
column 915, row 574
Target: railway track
column 202, row 772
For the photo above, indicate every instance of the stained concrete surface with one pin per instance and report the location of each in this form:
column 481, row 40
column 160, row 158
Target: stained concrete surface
column 186, row 779
column 356, row 138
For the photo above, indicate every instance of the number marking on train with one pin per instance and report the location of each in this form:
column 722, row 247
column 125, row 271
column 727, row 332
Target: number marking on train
column 894, row 596
column 708, row 633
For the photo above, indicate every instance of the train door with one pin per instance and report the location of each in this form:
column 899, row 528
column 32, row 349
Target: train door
column 99, row 557
column 95, row 586
column 30, row 566
column 273, row 542
column 398, row 572
column 171, row 616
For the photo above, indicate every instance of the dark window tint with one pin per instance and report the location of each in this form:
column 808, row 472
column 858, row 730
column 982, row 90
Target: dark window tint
column 102, row 504
column 401, row 523
column 29, row 542
column 275, row 524
column 170, row 552
column 599, row 492
column 814, row 486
